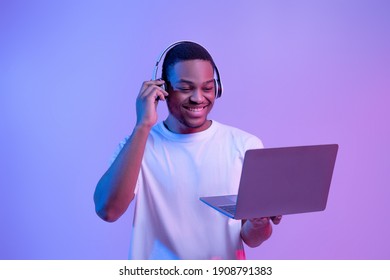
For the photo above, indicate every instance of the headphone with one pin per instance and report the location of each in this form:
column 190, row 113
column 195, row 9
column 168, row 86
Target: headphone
column 217, row 79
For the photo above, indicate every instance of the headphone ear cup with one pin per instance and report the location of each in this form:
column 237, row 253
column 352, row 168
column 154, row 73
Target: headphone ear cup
column 218, row 88
column 218, row 83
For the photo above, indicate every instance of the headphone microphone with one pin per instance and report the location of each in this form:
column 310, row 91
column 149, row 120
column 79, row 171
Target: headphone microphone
column 217, row 79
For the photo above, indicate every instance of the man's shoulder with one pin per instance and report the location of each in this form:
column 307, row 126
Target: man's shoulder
column 232, row 129
column 238, row 135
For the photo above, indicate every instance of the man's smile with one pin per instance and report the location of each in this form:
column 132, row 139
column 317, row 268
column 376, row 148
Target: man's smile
column 195, row 109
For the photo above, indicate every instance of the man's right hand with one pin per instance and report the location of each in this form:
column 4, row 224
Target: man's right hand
column 150, row 93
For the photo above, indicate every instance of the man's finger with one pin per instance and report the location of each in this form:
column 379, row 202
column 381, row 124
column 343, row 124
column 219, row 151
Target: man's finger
column 276, row 219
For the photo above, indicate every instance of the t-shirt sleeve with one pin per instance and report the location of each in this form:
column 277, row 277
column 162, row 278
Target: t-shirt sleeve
column 253, row 142
column 119, row 149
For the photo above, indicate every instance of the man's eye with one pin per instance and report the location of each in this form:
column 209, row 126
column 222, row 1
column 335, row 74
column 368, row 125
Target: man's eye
column 208, row 89
column 184, row 89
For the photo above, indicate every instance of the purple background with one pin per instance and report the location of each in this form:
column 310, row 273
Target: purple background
column 294, row 72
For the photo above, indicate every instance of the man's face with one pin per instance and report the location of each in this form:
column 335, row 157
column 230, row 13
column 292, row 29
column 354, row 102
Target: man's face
column 191, row 96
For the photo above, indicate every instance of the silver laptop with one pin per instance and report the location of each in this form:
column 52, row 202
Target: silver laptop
column 280, row 181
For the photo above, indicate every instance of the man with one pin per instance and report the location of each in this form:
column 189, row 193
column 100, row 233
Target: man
column 166, row 167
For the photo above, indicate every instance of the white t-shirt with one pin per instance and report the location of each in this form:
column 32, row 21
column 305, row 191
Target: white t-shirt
column 170, row 222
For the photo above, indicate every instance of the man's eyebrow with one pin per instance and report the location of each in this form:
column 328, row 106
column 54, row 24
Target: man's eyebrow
column 184, row 81
column 209, row 81
column 190, row 82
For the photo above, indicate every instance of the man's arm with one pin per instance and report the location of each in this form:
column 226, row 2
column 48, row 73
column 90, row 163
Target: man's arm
column 115, row 190
column 256, row 231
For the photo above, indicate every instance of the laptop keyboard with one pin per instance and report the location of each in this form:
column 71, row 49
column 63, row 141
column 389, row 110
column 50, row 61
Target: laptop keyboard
column 229, row 208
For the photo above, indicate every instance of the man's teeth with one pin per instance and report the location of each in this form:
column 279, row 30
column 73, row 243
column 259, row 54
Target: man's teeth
column 197, row 109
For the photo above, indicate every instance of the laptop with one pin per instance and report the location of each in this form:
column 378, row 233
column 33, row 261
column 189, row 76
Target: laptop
column 280, row 181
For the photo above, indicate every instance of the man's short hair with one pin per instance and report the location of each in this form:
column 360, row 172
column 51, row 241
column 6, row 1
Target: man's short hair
column 184, row 51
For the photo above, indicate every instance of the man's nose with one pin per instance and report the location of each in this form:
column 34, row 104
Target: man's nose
column 197, row 96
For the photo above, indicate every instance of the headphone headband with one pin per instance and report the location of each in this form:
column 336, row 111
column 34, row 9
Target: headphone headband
column 218, row 83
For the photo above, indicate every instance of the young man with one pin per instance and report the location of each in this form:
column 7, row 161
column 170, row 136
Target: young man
column 166, row 167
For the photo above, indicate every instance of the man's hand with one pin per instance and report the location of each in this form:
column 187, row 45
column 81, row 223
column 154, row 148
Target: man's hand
column 147, row 100
column 256, row 231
